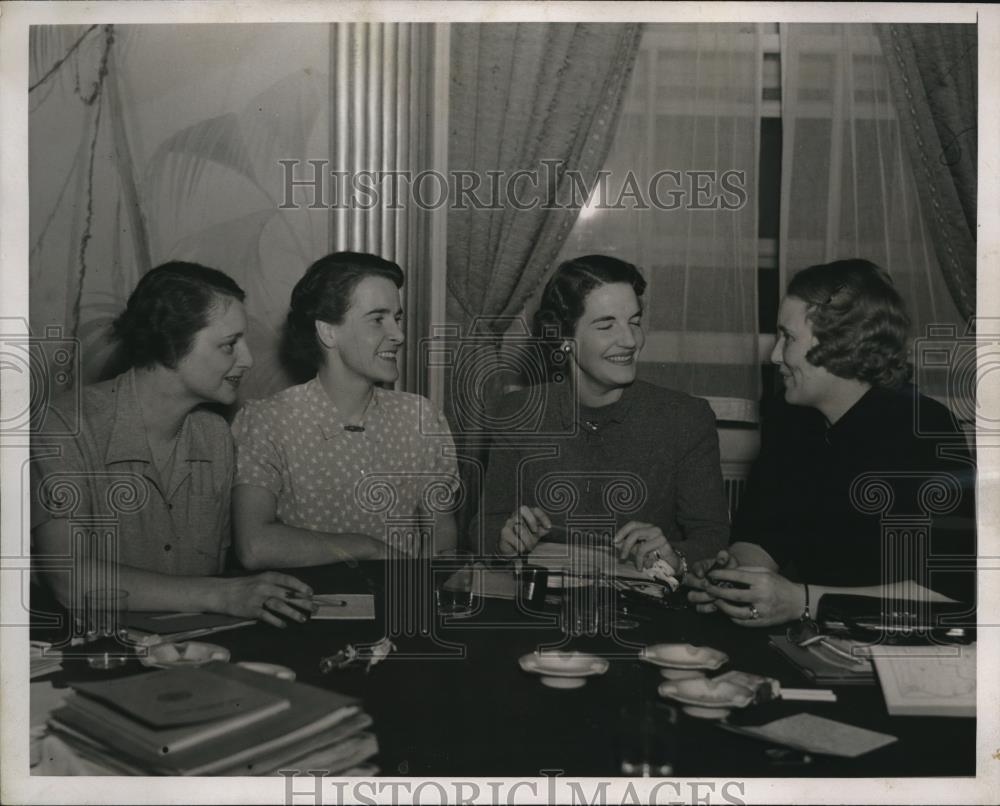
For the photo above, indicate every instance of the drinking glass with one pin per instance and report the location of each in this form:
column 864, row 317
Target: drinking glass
column 647, row 740
column 104, row 612
column 580, row 612
column 454, row 586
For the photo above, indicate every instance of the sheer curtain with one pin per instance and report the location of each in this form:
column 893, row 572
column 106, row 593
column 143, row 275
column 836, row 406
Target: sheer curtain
column 693, row 109
column 199, row 142
column 847, row 186
column 176, row 157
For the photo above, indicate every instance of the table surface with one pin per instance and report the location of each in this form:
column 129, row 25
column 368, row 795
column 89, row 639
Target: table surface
column 454, row 701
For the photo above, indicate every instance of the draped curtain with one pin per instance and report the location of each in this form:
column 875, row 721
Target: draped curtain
column 522, row 94
column 693, row 106
column 157, row 142
column 932, row 73
column 848, row 189
column 215, row 144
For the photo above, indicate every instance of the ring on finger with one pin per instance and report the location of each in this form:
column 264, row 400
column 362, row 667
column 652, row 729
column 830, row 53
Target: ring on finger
column 754, row 612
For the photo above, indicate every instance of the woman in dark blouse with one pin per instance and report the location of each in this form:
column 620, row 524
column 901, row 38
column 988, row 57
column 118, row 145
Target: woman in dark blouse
column 863, row 486
column 595, row 451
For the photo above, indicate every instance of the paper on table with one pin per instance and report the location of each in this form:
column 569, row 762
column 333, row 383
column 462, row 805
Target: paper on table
column 358, row 606
column 583, row 560
column 494, row 583
column 928, row 680
column 816, row 734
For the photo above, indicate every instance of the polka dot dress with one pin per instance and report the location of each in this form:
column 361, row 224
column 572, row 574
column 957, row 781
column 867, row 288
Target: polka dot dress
column 331, row 479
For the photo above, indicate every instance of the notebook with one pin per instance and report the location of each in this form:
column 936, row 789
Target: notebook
column 824, row 667
column 174, row 697
column 118, row 730
column 312, row 711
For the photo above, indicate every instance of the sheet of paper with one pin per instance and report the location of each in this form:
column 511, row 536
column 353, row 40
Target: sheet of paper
column 928, row 680
column 357, row 606
column 816, row 734
column 583, row 560
column 494, row 583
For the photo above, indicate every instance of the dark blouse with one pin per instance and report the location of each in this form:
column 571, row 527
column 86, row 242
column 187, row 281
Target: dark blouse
column 885, row 494
column 652, row 456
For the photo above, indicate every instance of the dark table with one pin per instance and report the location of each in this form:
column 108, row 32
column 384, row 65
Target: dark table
column 452, row 700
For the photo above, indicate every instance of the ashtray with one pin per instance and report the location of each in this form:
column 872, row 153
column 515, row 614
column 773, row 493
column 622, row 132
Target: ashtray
column 684, row 656
column 563, row 669
column 187, row 653
column 706, row 698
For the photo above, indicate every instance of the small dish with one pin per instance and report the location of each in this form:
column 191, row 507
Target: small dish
column 187, row 653
column 564, row 682
column 705, row 693
column 273, row 669
column 684, row 656
column 563, row 664
column 682, row 674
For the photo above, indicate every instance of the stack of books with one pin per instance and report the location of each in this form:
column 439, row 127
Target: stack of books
column 217, row 719
column 44, row 659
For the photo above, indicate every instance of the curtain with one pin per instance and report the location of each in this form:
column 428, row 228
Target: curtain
column 157, row 142
column 932, row 73
column 693, row 108
column 848, row 189
column 521, row 95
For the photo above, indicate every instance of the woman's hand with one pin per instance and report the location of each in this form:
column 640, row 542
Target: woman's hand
column 522, row 531
column 697, row 579
column 646, row 543
column 270, row 597
column 767, row 599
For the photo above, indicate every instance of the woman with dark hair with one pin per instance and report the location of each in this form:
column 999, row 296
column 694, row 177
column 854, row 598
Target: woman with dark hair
column 319, row 463
column 811, row 522
column 153, row 461
column 639, row 459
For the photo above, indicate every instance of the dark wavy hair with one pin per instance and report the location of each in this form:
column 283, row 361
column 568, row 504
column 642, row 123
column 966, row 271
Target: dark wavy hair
column 170, row 304
column 858, row 319
column 565, row 297
column 324, row 294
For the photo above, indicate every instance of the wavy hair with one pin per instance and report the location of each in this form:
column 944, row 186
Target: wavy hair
column 565, row 296
column 858, row 319
column 170, row 304
column 324, row 294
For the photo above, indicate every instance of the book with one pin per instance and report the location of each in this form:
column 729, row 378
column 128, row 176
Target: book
column 312, row 712
column 118, row 730
column 927, row 680
column 294, row 752
column 179, row 696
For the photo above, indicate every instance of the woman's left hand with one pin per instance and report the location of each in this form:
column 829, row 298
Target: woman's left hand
column 647, row 543
column 767, row 599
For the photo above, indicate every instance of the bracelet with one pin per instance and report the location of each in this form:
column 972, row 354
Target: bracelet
column 684, row 564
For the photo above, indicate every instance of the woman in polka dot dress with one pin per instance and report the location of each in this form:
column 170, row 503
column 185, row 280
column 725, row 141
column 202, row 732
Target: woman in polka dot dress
column 340, row 466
